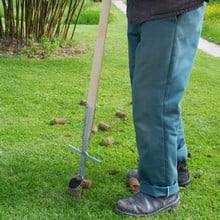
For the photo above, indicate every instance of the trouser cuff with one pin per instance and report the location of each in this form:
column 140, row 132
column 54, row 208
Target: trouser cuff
column 159, row 191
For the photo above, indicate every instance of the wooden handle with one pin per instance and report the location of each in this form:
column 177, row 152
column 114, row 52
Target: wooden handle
column 98, row 58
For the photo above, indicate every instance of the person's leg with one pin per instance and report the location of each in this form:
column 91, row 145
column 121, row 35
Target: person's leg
column 162, row 65
column 162, row 70
column 155, row 108
column 133, row 41
column 142, row 59
column 185, row 29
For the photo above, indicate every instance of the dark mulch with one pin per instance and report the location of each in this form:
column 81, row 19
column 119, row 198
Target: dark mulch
column 38, row 51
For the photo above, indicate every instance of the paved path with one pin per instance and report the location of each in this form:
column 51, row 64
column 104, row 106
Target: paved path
column 206, row 46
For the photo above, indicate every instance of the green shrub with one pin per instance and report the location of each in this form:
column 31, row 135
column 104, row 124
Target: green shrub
column 89, row 17
column 90, row 14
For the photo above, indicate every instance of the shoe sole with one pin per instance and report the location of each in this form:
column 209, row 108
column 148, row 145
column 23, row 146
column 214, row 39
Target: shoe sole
column 186, row 184
column 163, row 209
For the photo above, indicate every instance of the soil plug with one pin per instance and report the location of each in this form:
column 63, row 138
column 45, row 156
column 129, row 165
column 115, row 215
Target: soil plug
column 104, row 127
column 60, row 121
column 87, row 184
column 134, row 184
column 94, row 129
column 121, row 115
column 109, row 141
column 83, row 102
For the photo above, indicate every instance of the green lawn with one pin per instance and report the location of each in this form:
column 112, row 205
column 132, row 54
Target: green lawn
column 36, row 164
column 211, row 27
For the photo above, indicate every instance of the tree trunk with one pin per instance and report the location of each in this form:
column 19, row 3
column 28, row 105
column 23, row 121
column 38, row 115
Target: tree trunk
column 27, row 21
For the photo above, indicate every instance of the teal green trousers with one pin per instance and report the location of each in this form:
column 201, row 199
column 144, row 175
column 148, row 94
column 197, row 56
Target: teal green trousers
column 161, row 55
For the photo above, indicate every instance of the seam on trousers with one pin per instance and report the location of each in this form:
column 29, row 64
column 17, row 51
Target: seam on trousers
column 164, row 98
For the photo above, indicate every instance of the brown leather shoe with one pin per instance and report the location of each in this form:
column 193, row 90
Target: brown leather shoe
column 141, row 205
